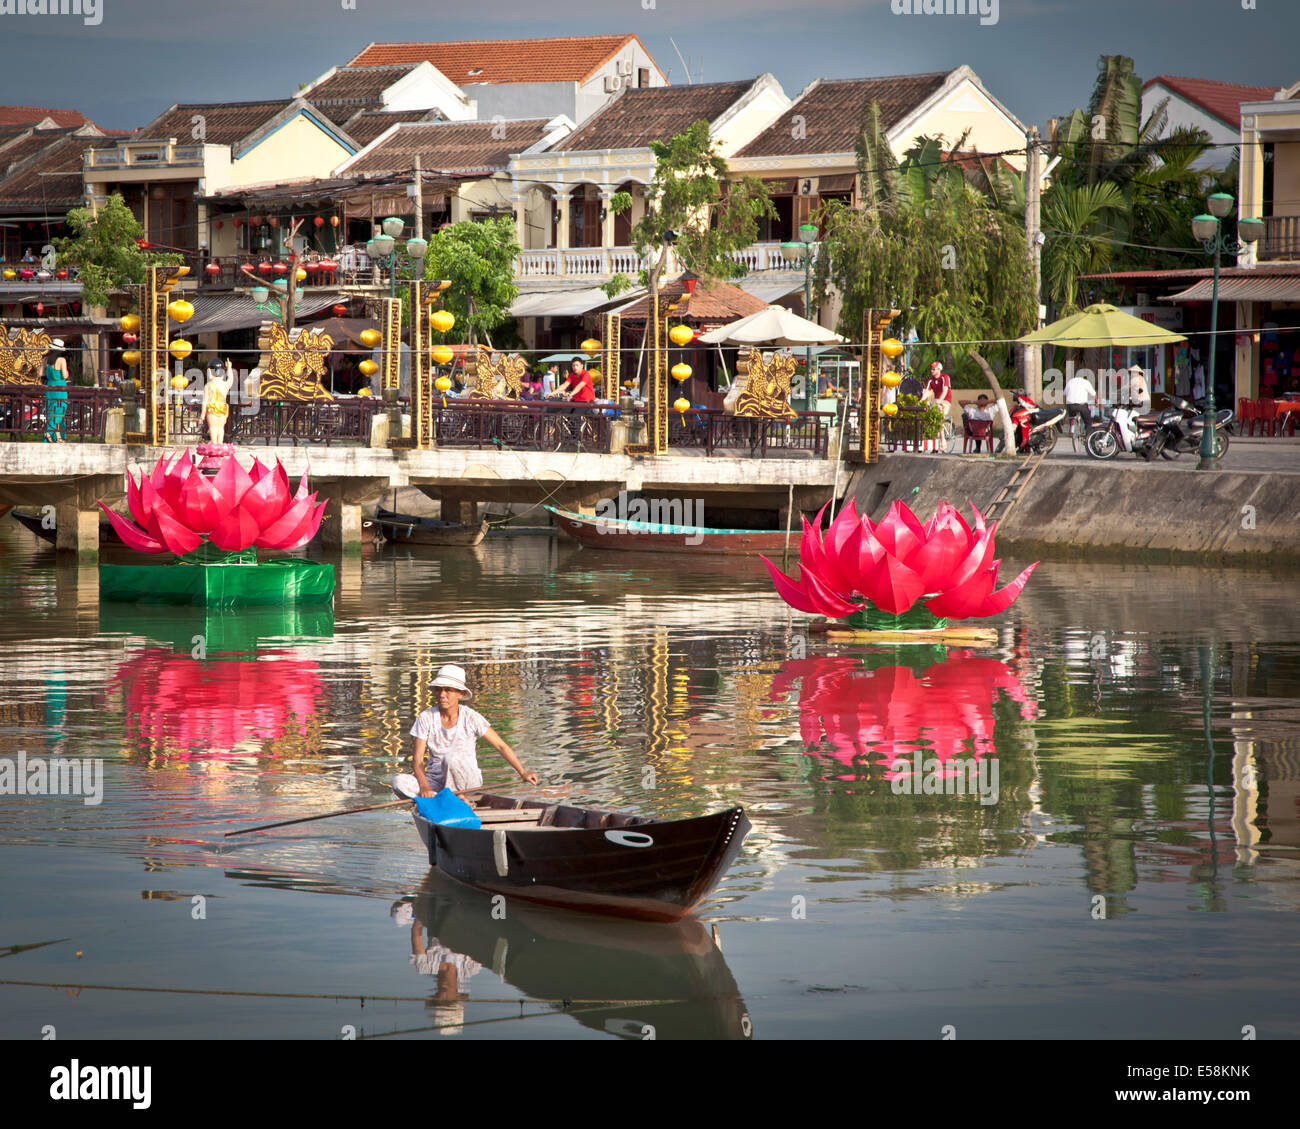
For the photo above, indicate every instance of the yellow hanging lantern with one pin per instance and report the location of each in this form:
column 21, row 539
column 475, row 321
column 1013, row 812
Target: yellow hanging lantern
column 368, row 367
column 371, row 337
column 891, row 380
column 443, row 384
column 131, row 358
column 681, row 371
column 681, row 335
column 179, row 382
column 129, row 323
column 442, row 320
column 442, row 355
column 364, row 392
column 10, row 275
column 302, row 275
column 591, row 345
column 180, row 310
column 682, row 404
column 891, row 347
column 180, row 348
column 890, row 409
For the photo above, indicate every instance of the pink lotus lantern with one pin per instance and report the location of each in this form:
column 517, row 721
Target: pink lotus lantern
column 892, row 565
column 176, row 508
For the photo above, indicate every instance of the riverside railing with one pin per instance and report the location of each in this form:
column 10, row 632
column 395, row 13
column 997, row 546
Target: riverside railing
column 27, row 412
column 346, row 420
column 525, row 425
column 721, row 433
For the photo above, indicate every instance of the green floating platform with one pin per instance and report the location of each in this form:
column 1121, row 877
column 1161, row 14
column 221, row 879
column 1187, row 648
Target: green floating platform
column 917, row 618
column 230, row 584
column 223, row 630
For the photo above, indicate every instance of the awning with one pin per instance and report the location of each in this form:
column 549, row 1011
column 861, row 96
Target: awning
column 770, row 290
column 836, row 182
column 1265, row 288
column 560, row 303
column 222, row 313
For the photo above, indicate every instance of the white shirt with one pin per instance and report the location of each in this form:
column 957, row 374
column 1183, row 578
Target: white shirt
column 452, row 763
column 1079, row 391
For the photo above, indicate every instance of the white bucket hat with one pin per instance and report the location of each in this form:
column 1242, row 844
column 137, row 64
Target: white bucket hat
column 57, row 345
column 453, row 677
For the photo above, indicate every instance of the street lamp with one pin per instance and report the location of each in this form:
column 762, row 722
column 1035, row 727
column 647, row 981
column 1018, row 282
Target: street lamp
column 804, row 249
column 382, row 251
column 1207, row 229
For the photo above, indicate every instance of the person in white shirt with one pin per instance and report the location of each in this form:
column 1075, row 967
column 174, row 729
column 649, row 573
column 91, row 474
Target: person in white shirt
column 449, row 734
column 1079, row 398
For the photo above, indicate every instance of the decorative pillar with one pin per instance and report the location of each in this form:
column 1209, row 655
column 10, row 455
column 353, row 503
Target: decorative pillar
column 874, row 325
column 611, row 333
column 562, row 200
column 151, row 296
column 521, row 218
column 607, row 224
column 656, row 380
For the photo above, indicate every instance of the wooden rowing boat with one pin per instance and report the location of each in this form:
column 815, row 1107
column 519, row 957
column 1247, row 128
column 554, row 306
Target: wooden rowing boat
column 408, row 529
column 596, row 532
column 47, row 531
column 588, row 860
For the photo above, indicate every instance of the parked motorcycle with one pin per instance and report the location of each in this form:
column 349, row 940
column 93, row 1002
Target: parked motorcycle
column 1124, row 430
column 1184, row 432
column 1036, row 429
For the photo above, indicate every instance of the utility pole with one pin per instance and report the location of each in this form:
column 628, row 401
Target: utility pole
column 419, row 200
column 1031, row 356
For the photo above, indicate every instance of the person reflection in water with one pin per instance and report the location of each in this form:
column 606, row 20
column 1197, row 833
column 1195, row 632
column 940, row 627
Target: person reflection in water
column 452, row 969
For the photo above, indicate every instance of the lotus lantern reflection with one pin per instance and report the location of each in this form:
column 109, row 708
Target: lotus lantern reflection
column 177, row 507
column 894, row 563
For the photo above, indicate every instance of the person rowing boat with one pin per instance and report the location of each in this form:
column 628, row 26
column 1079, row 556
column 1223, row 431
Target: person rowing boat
column 449, row 733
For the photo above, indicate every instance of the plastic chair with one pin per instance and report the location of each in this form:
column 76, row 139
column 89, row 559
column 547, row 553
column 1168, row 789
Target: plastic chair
column 1266, row 414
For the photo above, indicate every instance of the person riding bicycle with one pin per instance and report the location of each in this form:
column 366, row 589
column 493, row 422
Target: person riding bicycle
column 1079, row 398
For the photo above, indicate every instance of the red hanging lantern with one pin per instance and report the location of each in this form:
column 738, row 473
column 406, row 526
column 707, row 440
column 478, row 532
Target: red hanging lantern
column 281, row 268
column 213, row 269
column 129, row 338
column 238, row 223
column 61, row 275
column 40, row 309
column 264, row 267
column 254, row 221
column 219, row 224
column 339, row 311
column 76, row 307
column 334, row 221
column 319, row 221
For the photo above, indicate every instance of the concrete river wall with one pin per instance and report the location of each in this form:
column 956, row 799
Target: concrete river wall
column 1114, row 510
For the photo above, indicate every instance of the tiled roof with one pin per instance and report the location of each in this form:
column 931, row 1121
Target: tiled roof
column 717, row 302
column 356, row 88
column 363, row 127
column 224, row 123
column 451, row 146
column 19, row 115
column 570, row 58
column 1222, row 99
column 51, row 178
column 832, row 111
column 23, row 148
column 656, row 113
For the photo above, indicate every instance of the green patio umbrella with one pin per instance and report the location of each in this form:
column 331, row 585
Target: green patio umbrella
column 1100, row 325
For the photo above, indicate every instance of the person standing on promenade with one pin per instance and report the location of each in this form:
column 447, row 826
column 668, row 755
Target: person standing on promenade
column 56, row 399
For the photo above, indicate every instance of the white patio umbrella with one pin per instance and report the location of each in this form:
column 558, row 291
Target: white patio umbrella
column 773, row 326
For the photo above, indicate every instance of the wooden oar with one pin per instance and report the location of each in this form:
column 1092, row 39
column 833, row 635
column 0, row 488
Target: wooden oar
column 309, row 818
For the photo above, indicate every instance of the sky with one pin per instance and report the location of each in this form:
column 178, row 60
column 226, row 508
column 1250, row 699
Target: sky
column 122, row 62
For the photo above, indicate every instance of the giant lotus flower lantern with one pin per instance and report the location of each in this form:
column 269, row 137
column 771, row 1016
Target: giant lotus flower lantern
column 898, row 573
column 214, row 525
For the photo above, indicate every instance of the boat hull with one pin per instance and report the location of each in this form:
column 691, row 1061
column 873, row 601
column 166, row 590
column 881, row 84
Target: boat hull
column 407, row 529
column 609, row 868
column 609, row 533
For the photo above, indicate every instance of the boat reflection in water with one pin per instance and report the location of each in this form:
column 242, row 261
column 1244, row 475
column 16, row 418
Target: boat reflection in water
column 864, row 710
column 624, row 978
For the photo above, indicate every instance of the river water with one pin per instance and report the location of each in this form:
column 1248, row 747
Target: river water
column 1132, row 868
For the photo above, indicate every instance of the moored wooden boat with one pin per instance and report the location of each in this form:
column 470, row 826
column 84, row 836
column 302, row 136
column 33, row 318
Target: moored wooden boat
column 588, row 860
column 596, row 532
column 47, row 531
column 408, row 529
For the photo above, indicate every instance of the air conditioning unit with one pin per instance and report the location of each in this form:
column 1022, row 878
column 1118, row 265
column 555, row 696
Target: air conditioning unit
column 625, row 67
column 808, row 186
column 613, row 84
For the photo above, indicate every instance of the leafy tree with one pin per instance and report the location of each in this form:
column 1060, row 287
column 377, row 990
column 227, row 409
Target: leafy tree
column 693, row 208
column 105, row 250
column 928, row 243
column 479, row 260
